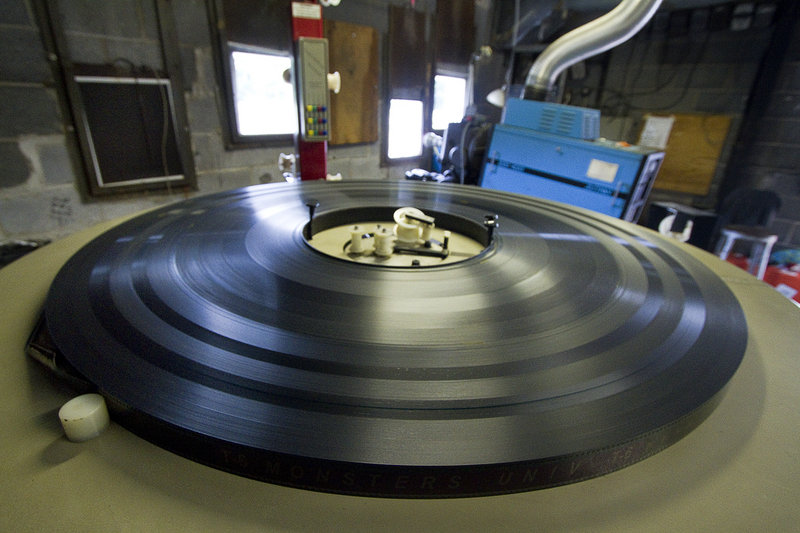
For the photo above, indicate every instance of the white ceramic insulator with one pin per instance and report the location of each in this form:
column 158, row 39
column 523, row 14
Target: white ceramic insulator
column 84, row 417
column 407, row 231
column 665, row 228
column 426, row 231
column 356, row 240
column 286, row 162
column 384, row 243
column 335, row 82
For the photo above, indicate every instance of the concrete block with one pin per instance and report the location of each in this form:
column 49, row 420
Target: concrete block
column 722, row 102
column 253, row 157
column 365, row 168
column 206, row 148
column 790, row 208
column 203, row 114
column 789, row 78
column 208, row 182
column 784, row 105
column 784, row 229
column 191, row 21
column 793, row 238
column 793, row 52
column 28, row 110
column 124, row 18
column 188, row 67
column 205, row 76
column 680, row 51
column 774, row 156
column 736, row 47
column 354, row 151
column 778, row 130
column 22, row 57
column 53, row 213
column 14, row 12
column 784, row 183
column 16, row 168
column 112, row 208
column 713, row 76
column 56, row 163
column 237, row 178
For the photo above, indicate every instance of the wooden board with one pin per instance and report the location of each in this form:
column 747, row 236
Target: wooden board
column 353, row 52
column 692, row 153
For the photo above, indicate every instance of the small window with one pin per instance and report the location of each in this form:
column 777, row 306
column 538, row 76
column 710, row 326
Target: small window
column 405, row 128
column 263, row 94
column 449, row 97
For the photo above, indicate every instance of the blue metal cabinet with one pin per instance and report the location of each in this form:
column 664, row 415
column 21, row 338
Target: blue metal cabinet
column 607, row 177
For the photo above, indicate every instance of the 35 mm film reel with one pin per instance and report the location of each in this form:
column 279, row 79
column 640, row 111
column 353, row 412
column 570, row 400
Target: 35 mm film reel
column 570, row 346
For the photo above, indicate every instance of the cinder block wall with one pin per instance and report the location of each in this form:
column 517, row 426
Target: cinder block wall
column 41, row 179
column 770, row 154
column 669, row 69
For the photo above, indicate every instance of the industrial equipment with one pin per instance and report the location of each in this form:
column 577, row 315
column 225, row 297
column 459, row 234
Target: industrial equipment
column 553, row 151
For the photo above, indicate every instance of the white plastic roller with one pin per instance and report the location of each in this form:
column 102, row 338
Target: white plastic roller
column 84, row 417
column 411, row 224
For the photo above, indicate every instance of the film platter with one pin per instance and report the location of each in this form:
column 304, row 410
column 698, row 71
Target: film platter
column 568, row 346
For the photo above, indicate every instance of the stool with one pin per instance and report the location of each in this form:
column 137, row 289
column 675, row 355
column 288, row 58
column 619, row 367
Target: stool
column 759, row 239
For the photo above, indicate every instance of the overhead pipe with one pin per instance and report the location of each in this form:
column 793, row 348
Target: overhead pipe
column 595, row 37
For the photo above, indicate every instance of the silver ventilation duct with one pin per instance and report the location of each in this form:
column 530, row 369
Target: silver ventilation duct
column 595, row 37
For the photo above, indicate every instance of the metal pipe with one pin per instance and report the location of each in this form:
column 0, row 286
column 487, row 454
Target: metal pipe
column 597, row 36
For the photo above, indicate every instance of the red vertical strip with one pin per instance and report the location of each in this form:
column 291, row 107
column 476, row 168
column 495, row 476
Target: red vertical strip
column 313, row 156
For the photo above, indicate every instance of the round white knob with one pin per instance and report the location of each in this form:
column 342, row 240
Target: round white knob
column 356, row 240
column 335, row 82
column 384, row 243
column 84, row 417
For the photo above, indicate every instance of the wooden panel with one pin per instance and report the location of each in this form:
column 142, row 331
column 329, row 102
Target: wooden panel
column 264, row 23
column 455, row 32
column 353, row 52
column 409, row 76
column 692, row 153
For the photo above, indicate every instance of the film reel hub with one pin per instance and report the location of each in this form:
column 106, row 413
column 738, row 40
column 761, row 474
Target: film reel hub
column 402, row 237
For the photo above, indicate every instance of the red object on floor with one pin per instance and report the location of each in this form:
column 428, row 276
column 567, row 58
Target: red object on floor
column 739, row 260
column 786, row 281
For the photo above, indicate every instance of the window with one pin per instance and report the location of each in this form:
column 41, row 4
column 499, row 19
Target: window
column 405, row 128
column 417, row 102
column 129, row 119
column 253, row 52
column 263, row 94
column 449, row 98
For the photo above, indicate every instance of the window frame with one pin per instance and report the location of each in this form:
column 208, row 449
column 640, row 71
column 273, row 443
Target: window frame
column 442, row 48
column 449, row 73
column 222, row 49
column 67, row 77
column 237, row 47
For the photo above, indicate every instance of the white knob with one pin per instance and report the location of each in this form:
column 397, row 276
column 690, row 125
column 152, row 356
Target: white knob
column 384, row 243
column 84, row 417
column 408, row 230
column 356, row 240
column 335, row 82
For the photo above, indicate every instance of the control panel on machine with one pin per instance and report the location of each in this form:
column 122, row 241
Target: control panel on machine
column 313, row 88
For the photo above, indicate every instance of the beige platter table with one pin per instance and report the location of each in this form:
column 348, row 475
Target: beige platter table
column 738, row 471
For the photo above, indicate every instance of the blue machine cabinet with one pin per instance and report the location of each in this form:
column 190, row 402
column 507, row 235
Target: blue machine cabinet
column 604, row 176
